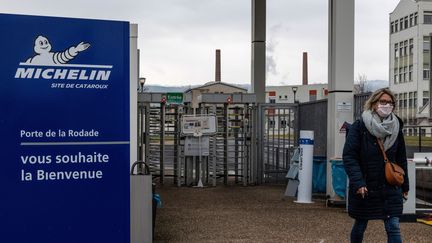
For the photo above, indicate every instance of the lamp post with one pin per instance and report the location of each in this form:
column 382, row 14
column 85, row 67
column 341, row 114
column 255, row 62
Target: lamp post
column 294, row 90
column 141, row 83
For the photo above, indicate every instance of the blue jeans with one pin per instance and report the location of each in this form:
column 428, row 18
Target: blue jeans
column 391, row 226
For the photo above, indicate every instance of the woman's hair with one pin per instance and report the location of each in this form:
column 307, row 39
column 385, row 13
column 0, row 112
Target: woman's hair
column 375, row 96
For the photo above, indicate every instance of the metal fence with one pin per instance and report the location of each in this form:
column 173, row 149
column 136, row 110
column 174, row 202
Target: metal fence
column 313, row 116
column 417, row 139
column 253, row 144
column 359, row 100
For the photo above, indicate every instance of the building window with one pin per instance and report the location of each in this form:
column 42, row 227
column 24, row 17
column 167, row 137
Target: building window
column 286, row 96
column 410, row 100
column 280, row 96
column 401, row 49
column 271, row 123
column 401, row 80
column 392, row 27
column 425, row 74
column 395, row 74
column 397, row 100
column 312, row 95
column 411, row 47
column 401, row 24
column 425, row 97
column 325, row 92
column 410, row 78
column 426, row 44
column 411, row 20
column 272, row 101
column 415, row 18
column 396, row 26
column 283, row 123
column 427, row 17
column 396, row 53
column 406, row 22
column 415, row 99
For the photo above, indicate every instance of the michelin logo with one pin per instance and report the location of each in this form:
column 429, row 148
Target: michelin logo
column 54, row 65
column 44, row 55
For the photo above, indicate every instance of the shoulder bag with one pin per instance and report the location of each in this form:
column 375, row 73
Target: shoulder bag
column 394, row 174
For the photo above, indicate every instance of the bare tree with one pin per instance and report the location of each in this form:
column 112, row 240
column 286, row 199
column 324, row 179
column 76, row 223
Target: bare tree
column 360, row 84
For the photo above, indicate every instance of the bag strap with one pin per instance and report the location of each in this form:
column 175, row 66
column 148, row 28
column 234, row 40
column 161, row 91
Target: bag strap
column 382, row 150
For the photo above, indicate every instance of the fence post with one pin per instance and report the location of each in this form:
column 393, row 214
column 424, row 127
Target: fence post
column 420, row 140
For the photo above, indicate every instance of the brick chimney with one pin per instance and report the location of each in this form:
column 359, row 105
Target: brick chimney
column 305, row 68
column 218, row 66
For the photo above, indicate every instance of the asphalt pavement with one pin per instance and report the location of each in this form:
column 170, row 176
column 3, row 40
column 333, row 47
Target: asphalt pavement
column 259, row 214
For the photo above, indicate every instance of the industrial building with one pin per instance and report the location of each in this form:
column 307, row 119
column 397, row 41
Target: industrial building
column 296, row 93
column 410, row 29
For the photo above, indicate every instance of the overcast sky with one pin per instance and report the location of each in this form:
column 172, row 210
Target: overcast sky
column 178, row 38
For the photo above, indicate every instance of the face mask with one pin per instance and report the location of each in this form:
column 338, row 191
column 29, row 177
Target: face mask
column 384, row 110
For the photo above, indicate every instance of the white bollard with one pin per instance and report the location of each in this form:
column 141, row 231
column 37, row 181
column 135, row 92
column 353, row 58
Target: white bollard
column 306, row 141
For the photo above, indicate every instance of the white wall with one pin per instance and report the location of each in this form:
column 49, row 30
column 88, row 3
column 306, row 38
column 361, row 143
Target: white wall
column 284, row 94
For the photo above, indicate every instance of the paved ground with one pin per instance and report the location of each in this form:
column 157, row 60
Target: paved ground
column 259, row 214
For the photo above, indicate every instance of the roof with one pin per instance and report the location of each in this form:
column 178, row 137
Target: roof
column 403, row 3
column 214, row 83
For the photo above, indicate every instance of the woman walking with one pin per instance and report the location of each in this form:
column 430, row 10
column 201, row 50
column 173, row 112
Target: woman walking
column 370, row 196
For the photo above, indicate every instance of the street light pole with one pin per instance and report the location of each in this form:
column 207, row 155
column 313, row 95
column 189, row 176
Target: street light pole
column 142, row 82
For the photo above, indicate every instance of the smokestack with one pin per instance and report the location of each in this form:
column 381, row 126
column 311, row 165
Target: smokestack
column 305, row 68
column 218, row 66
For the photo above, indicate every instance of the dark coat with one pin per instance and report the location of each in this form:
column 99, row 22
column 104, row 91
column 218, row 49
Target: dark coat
column 364, row 165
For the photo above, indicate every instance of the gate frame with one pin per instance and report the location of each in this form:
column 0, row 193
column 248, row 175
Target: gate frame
column 260, row 129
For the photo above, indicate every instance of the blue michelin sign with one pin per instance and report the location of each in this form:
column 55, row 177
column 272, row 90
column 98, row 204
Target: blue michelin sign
column 64, row 130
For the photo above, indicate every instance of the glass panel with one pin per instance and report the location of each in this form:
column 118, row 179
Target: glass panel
column 428, row 19
column 426, row 74
column 426, row 57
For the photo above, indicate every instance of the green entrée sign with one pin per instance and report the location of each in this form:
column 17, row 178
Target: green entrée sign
column 174, row 98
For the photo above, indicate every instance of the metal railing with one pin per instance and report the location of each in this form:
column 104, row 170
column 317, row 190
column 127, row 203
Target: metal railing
column 417, row 139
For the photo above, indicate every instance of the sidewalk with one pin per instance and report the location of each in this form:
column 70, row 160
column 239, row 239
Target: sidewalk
column 259, row 214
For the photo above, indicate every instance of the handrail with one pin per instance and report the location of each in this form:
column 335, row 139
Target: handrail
column 139, row 168
column 423, row 107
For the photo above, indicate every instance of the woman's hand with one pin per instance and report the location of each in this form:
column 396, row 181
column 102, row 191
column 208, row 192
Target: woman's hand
column 405, row 195
column 362, row 191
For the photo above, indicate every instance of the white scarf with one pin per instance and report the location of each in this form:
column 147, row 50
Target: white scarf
column 387, row 129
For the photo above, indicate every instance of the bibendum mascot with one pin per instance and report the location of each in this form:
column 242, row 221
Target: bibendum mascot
column 45, row 56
